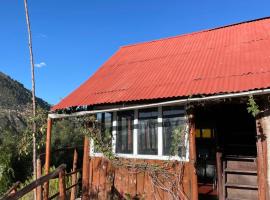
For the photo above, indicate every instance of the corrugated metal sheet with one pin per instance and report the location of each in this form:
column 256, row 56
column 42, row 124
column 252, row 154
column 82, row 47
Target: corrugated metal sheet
column 224, row 60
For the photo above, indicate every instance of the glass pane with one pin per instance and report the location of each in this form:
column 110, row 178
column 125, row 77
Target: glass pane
column 206, row 133
column 148, row 132
column 124, row 135
column 173, row 131
column 198, row 133
column 104, row 122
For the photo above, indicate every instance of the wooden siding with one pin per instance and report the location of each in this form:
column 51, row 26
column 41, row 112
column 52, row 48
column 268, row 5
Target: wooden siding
column 104, row 177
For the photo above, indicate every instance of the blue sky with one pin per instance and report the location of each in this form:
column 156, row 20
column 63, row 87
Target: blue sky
column 71, row 39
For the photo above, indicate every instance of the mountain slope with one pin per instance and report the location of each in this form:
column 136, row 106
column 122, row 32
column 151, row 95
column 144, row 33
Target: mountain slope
column 15, row 104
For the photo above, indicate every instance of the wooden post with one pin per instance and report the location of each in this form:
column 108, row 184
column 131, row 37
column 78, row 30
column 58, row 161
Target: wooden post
column 192, row 158
column 85, row 173
column 39, row 174
column 263, row 149
column 260, row 162
column 219, row 175
column 62, row 185
column 48, row 157
column 74, row 176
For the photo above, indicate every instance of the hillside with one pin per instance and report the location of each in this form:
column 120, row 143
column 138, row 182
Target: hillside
column 15, row 103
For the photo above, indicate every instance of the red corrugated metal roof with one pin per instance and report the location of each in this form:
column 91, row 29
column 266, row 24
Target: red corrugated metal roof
column 229, row 59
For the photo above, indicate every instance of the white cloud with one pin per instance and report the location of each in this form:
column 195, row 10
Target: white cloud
column 39, row 65
column 41, row 35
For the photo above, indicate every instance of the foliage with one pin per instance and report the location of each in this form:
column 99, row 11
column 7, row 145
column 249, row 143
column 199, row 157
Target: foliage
column 66, row 134
column 16, row 133
column 252, row 106
column 25, row 143
column 6, row 171
column 178, row 137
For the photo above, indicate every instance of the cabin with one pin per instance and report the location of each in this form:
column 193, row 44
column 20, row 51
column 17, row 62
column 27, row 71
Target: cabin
column 204, row 94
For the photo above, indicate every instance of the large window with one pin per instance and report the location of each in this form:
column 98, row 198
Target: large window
column 173, row 131
column 148, row 132
column 105, row 126
column 152, row 133
column 124, row 134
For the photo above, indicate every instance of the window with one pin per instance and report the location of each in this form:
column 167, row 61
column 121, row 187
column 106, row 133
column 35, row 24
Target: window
column 148, row 132
column 205, row 133
column 173, row 125
column 124, row 135
column 104, row 121
column 152, row 133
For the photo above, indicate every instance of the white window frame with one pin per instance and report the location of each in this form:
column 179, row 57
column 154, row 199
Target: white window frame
column 135, row 154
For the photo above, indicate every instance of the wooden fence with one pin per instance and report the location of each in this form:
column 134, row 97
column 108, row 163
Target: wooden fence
column 60, row 172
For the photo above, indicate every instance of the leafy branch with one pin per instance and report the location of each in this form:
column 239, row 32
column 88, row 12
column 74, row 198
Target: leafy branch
column 252, row 106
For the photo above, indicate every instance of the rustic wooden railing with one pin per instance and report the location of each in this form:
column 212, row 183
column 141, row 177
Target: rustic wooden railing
column 58, row 172
column 13, row 194
column 72, row 187
column 12, row 190
column 39, row 182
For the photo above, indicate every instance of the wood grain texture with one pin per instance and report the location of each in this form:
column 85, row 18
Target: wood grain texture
column 104, row 177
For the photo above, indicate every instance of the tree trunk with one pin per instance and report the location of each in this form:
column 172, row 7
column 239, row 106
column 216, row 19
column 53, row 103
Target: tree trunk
column 33, row 90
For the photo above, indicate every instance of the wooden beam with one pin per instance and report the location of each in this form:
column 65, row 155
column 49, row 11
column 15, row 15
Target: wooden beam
column 62, row 185
column 36, row 183
column 11, row 191
column 263, row 148
column 219, row 175
column 48, row 156
column 260, row 162
column 39, row 174
column 192, row 157
column 85, row 173
column 74, row 176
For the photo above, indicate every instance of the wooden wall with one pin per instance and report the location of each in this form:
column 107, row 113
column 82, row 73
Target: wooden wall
column 104, row 177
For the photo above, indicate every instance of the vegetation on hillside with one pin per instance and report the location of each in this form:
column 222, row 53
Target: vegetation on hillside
column 15, row 134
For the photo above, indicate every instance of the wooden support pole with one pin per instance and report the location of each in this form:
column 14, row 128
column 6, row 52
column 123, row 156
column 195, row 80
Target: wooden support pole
column 219, row 175
column 260, row 162
column 39, row 174
column 74, row 176
column 62, row 185
column 48, row 157
column 263, row 148
column 192, row 157
column 85, row 173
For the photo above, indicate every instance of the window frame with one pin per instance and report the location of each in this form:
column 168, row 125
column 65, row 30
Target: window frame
column 135, row 154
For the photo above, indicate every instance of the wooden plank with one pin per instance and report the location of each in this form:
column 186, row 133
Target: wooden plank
column 39, row 174
column 219, row 175
column 192, row 157
column 91, row 175
column 48, row 156
column 148, row 189
column 186, row 182
column 62, row 185
column 73, row 192
column 36, row 183
column 140, row 182
column 85, row 174
column 158, row 191
column 95, row 176
column 109, row 180
column 132, row 183
column 260, row 163
column 102, row 178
